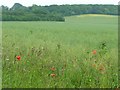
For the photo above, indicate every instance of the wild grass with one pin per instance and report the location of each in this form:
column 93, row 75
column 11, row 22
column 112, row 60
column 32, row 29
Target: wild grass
column 60, row 54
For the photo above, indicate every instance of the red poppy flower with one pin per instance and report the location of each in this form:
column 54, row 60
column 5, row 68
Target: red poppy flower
column 94, row 51
column 18, row 58
column 52, row 75
column 52, row 69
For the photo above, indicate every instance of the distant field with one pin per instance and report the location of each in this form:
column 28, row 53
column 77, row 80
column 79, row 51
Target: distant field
column 80, row 52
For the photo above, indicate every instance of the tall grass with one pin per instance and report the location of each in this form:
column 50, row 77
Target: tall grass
column 65, row 46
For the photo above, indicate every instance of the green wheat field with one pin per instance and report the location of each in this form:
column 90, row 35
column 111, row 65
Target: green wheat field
column 81, row 52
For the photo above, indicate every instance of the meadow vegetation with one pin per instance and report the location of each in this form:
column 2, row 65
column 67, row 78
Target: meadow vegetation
column 81, row 52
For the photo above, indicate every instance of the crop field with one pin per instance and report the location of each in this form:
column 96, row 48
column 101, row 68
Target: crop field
column 81, row 52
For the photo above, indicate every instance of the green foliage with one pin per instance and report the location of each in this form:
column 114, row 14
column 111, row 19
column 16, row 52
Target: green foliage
column 53, row 12
column 34, row 13
column 67, row 46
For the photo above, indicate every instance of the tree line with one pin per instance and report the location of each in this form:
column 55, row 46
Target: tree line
column 19, row 12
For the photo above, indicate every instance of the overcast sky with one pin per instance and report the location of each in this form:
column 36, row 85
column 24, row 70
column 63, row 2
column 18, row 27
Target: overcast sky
column 10, row 3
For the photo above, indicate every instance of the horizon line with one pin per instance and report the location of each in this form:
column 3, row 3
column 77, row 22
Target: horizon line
column 58, row 4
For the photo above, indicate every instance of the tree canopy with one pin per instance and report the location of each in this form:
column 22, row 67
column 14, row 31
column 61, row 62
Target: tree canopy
column 53, row 12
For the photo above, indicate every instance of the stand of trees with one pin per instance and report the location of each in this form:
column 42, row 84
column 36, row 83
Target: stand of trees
column 53, row 12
